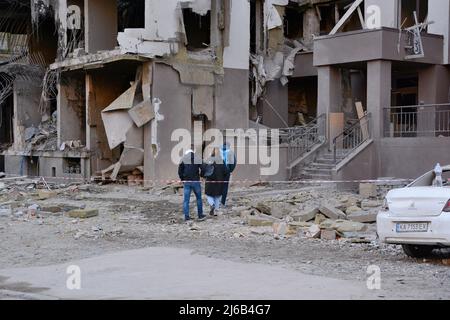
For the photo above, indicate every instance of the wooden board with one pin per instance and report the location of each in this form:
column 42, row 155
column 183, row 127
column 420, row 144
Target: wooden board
column 363, row 123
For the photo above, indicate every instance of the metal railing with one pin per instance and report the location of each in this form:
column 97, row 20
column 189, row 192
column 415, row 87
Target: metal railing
column 415, row 121
column 302, row 140
column 352, row 138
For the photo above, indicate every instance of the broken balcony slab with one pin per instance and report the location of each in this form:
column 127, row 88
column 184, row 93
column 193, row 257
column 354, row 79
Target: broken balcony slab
column 116, row 119
column 194, row 75
column 97, row 60
column 117, row 124
column 142, row 113
column 135, row 138
column 125, row 101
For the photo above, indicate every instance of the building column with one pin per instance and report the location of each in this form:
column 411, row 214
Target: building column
column 379, row 89
column 311, row 25
column 329, row 99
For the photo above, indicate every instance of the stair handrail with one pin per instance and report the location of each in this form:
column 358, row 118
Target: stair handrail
column 311, row 130
column 348, row 135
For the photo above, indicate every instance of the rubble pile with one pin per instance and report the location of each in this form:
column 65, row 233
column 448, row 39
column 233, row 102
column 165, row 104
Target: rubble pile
column 44, row 137
column 317, row 215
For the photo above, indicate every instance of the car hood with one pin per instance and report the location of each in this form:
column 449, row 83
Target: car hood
column 418, row 201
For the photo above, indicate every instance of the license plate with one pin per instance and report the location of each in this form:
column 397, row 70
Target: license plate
column 412, row 227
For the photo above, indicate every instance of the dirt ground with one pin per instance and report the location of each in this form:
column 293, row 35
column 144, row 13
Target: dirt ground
column 134, row 218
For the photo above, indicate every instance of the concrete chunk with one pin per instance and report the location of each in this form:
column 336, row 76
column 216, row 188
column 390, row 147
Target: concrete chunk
column 46, row 194
column 352, row 209
column 263, row 208
column 368, row 190
column 332, row 213
column 370, row 204
column 304, row 216
column 143, row 113
column 297, row 225
column 52, row 209
column 363, row 217
column 83, row 214
column 328, row 235
column 349, row 226
column 258, row 221
column 313, row 232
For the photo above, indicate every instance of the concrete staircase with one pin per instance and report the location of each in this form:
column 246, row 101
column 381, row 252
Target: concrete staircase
column 320, row 169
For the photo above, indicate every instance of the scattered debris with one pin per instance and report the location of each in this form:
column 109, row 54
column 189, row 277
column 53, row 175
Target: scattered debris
column 83, row 214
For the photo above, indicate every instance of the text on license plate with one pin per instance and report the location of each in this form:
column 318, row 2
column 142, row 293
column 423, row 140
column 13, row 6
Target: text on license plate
column 412, row 227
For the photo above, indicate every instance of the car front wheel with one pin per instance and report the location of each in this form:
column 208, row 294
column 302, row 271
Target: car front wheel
column 417, row 251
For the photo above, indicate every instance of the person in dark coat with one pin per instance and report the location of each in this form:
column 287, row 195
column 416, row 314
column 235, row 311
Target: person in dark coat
column 190, row 170
column 215, row 181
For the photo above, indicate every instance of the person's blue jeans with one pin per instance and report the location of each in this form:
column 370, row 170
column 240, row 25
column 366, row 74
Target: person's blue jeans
column 196, row 187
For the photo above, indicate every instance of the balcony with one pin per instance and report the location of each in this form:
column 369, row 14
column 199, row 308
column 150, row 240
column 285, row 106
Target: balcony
column 377, row 44
column 417, row 121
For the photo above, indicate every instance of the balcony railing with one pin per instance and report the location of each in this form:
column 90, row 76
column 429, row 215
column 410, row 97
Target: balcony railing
column 417, row 121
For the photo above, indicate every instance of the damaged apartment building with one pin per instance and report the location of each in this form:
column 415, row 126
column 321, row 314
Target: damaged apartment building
column 358, row 89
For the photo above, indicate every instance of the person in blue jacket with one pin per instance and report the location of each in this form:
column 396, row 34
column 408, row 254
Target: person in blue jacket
column 230, row 161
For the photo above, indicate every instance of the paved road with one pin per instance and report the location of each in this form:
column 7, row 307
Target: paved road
column 165, row 273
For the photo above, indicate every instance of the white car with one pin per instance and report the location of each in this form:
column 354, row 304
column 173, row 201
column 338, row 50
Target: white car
column 417, row 216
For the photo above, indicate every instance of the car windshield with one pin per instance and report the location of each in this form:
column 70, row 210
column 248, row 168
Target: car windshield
column 427, row 179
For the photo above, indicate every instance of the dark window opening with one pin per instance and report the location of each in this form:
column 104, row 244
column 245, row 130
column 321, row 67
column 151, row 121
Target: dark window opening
column 353, row 23
column 33, row 166
column 2, row 163
column 407, row 12
column 293, row 23
column 53, row 172
column 331, row 14
column 256, row 26
column 327, row 19
column 72, row 166
column 44, row 40
column 405, row 91
column 6, row 111
column 131, row 14
column 302, row 101
column 15, row 25
column 198, row 29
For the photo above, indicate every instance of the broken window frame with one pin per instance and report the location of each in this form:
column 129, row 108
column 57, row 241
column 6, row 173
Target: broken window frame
column 137, row 8
column 208, row 17
column 295, row 10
